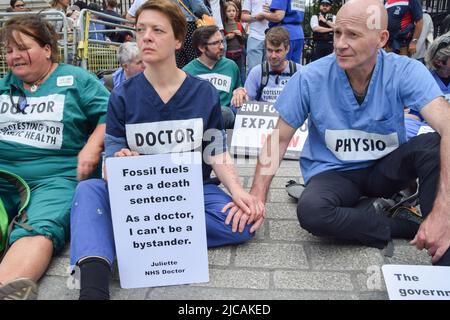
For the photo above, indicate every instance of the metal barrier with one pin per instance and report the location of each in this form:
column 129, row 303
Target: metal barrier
column 97, row 54
column 52, row 16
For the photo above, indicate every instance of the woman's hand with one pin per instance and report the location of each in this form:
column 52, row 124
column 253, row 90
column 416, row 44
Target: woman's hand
column 88, row 160
column 126, row 153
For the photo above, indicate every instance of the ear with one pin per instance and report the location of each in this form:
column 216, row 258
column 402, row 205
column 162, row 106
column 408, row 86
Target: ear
column 383, row 38
column 202, row 49
column 178, row 45
column 48, row 49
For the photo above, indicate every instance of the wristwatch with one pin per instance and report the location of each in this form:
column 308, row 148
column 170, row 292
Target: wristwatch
column 414, row 40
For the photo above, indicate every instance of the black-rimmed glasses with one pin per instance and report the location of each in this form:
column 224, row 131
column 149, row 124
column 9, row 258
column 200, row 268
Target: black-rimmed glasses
column 444, row 43
column 22, row 101
column 215, row 43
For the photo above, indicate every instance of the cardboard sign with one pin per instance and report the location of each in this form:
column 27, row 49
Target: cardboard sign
column 405, row 282
column 254, row 122
column 158, row 219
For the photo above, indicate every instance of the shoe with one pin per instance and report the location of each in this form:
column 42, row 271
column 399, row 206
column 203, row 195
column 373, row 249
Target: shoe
column 383, row 205
column 294, row 189
column 19, row 289
column 408, row 213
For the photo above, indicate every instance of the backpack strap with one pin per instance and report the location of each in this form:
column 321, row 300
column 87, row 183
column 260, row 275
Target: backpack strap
column 21, row 217
column 292, row 68
column 264, row 79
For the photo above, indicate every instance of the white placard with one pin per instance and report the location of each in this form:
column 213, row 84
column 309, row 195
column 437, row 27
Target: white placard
column 254, row 122
column 158, row 219
column 406, row 282
column 425, row 129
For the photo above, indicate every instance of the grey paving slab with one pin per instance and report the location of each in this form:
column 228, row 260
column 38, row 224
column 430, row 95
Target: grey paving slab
column 371, row 280
column 280, row 195
column 59, row 266
column 313, row 280
column 408, row 255
column 278, row 210
column 261, row 233
column 56, row 288
column 289, row 230
column 239, row 279
column 264, row 255
column 117, row 293
column 343, row 257
column 219, row 256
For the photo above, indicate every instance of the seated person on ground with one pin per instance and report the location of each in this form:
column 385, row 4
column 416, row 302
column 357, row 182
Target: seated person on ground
column 130, row 64
column 437, row 60
column 266, row 81
column 357, row 144
column 211, row 65
column 52, row 133
column 162, row 93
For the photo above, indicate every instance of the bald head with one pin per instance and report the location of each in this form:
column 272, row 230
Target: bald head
column 370, row 12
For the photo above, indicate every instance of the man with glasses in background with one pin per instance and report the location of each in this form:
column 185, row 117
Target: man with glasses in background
column 211, row 65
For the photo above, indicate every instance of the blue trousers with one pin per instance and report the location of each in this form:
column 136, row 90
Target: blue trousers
column 91, row 225
column 295, row 50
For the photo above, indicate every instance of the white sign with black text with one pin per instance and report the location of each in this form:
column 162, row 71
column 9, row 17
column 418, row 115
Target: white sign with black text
column 158, row 219
column 408, row 282
column 254, row 122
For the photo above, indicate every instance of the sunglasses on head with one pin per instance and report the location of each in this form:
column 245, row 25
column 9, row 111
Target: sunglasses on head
column 22, row 101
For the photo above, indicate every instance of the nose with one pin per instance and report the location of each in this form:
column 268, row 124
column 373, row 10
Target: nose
column 148, row 35
column 340, row 43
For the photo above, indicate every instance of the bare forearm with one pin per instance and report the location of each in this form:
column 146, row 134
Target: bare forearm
column 418, row 29
column 226, row 172
column 268, row 162
column 97, row 138
column 322, row 29
column 275, row 16
column 442, row 201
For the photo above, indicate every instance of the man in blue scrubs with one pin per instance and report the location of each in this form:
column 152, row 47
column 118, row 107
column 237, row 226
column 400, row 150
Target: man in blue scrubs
column 289, row 14
column 357, row 145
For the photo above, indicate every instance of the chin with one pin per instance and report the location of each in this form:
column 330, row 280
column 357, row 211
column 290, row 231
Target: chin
column 345, row 65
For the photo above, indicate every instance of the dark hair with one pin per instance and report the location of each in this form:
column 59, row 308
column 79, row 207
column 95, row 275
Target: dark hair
column 172, row 11
column 81, row 4
column 12, row 3
column 34, row 26
column 201, row 36
column 94, row 7
column 111, row 3
column 277, row 36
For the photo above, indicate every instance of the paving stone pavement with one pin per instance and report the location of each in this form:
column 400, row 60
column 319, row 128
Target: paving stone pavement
column 283, row 261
